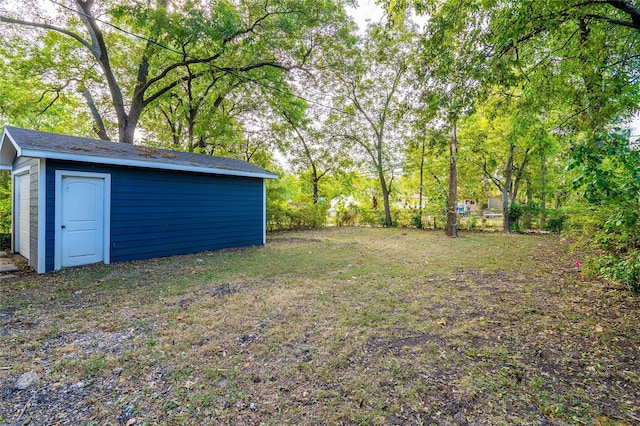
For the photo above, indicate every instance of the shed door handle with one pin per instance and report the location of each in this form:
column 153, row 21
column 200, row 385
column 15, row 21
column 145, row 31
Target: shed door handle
column 63, row 227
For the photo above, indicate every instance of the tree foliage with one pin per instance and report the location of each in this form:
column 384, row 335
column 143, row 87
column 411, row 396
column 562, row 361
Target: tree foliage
column 607, row 175
column 140, row 52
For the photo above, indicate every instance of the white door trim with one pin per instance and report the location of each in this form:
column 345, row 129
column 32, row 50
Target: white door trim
column 15, row 217
column 57, row 258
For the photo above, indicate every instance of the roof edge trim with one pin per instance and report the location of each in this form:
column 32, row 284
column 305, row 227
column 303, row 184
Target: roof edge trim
column 146, row 164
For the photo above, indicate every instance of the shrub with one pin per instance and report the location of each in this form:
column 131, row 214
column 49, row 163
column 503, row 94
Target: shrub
column 5, row 202
column 516, row 211
column 556, row 219
column 416, row 220
column 371, row 217
column 607, row 173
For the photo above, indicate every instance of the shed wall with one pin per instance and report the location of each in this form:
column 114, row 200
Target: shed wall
column 34, row 167
column 157, row 213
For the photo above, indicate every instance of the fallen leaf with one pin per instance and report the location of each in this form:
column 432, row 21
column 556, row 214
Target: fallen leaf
column 131, row 421
column 108, row 327
column 68, row 349
column 442, row 321
column 598, row 329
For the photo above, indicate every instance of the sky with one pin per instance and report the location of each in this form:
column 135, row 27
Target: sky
column 367, row 10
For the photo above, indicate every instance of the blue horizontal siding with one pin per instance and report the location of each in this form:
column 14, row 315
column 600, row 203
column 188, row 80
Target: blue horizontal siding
column 157, row 213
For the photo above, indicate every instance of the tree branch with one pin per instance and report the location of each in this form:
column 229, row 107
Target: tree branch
column 71, row 34
column 168, row 87
column 613, row 21
column 99, row 127
column 495, row 181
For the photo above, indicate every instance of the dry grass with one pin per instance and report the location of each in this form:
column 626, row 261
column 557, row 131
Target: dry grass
column 340, row 326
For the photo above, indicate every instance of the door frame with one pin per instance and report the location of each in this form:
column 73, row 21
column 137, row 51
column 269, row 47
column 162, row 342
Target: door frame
column 106, row 177
column 15, row 217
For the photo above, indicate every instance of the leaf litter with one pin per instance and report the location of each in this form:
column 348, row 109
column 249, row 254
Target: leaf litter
column 338, row 326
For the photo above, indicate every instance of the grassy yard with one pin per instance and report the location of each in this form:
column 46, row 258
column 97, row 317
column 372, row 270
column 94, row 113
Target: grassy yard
column 339, row 326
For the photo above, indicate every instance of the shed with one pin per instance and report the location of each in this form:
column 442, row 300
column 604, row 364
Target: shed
column 79, row 201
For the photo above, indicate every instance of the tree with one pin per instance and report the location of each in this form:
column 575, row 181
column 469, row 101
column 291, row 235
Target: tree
column 374, row 96
column 454, row 51
column 308, row 143
column 500, row 149
column 424, row 158
column 186, row 43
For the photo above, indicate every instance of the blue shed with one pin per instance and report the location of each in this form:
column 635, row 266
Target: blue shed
column 79, row 201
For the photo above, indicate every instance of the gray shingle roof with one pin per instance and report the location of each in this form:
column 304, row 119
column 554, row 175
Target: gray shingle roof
column 55, row 146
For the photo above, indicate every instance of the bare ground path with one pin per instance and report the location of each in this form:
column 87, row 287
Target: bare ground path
column 339, row 326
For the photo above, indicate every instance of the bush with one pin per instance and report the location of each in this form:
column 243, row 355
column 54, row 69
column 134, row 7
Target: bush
column 371, row 217
column 607, row 173
column 416, row 220
column 288, row 209
column 556, row 219
column 516, row 211
column 405, row 217
column 622, row 268
column 5, row 202
column 291, row 217
column 346, row 215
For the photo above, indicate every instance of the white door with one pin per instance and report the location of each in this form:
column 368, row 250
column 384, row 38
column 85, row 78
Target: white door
column 82, row 220
column 23, row 220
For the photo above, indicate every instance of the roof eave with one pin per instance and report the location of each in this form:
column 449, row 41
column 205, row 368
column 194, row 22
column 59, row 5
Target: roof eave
column 9, row 150
column 146, row 164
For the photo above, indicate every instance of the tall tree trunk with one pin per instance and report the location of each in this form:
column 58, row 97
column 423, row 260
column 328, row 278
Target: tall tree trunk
column 383, row 181
column 452, row 202
column 316, row 176
column 385, row 197
column 316, row 195
column 508, row 171
column 128, row 129
column 519, row 174
column 421, row 180
column 506, row 223
column 528, row 219
column 126, row 124
column 543, row 191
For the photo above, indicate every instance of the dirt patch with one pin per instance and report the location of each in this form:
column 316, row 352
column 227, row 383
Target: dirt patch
column 293, row 240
